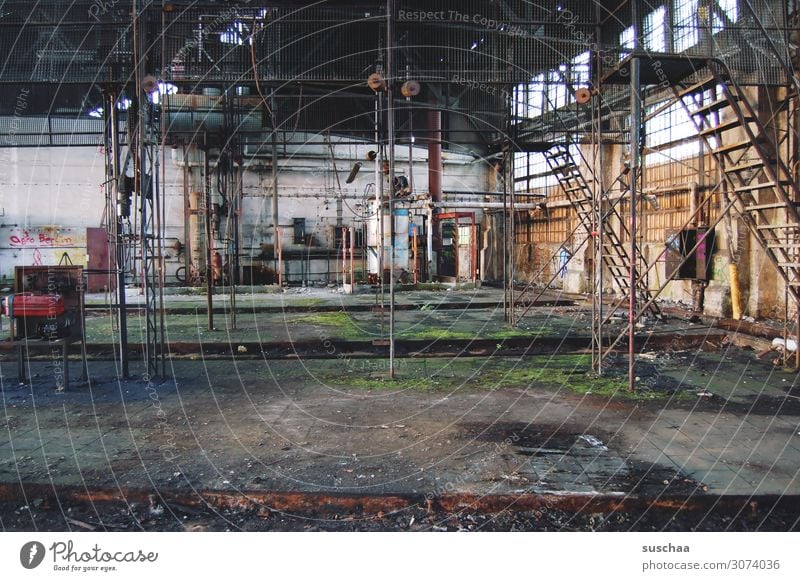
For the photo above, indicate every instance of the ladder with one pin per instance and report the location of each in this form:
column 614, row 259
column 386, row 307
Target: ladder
column 761, row 184
column 580, row 196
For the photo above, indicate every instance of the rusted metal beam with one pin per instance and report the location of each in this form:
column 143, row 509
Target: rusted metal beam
column 321, row 503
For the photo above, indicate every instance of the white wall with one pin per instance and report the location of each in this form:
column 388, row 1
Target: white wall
column 62, row 188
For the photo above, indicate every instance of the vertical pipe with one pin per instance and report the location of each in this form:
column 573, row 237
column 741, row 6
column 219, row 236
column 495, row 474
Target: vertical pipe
column 278, row 265
column 512, row 242
column 119, row 247
column 390, row 138
column 429, row 243
column 456, row 256
column 233, row 239
column 474, row 246
column 187, row 213
column 435, row 155
column 207, row 215
column 352, row 259
column 238, row 230
column 509, row 179
column 694, row 193
column 505, row 244
column 380, row 213
column 279, row 250
column 636, row 125
column 410, row 141
column 434, row 179
column 159, row 194
column 597, row 216
column 415, row 249
column 344, row 258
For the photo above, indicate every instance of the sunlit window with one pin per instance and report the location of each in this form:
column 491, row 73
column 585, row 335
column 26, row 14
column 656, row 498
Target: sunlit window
column 655, row 30
column 684, row 25
column 671, row 134
column 235, row 34
column 626, row 38
column 725, row 12
column 580, row 69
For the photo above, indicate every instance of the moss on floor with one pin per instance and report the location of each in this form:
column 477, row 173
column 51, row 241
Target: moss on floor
column 570, row 372
column 340, row 324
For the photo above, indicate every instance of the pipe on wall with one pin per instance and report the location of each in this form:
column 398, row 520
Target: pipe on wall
column 489, row 205
column 435, row 155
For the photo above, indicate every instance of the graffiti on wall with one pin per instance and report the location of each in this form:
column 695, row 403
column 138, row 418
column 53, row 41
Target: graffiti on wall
column 42, row 237
column 41, row 245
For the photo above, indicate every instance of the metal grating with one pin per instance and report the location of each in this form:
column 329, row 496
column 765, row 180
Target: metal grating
column 16, row 131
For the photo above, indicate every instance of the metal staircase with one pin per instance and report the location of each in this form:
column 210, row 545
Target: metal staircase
column 760, row 182
column 579, row 194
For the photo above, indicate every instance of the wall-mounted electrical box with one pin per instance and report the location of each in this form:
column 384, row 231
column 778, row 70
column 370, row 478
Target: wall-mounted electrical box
column 681, row 244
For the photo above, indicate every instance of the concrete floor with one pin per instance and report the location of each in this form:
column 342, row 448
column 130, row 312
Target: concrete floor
column 491, row 425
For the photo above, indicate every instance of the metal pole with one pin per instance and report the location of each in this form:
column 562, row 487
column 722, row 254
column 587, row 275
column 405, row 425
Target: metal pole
column 278, row 265
column 122, row 312
column 410, row 143
column 352, row 259
column 207, row 199
column 380, row 217
column 390, row 136
column 636, row 126
column 513, row 223
column 505, row 244
column 187, row 212
column 344, row 258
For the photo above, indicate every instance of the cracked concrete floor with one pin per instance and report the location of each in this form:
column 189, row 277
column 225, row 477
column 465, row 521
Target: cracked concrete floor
column 445, row 427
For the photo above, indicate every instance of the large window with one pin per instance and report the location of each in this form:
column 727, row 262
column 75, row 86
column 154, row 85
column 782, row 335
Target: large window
column 580, row 70
column 532, row 172
column 627, row 38
column 655, row 30
column 725, row 12
column 671, row 134
column 684, row 25
column 673, row 26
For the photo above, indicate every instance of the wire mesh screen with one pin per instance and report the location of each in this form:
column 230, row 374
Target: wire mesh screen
column 92, row 42
column 498, row 42
column 272, row 44
column 39, row 131
column 749, row 36
column 62, row 43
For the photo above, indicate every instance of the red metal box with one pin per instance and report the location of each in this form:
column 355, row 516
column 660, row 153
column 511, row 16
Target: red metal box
column 30, row 305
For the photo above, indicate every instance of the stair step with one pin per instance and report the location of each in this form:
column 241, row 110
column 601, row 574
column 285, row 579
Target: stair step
column 753, row 187
column 724, row 126
column 712, row 107
column 789, row 264
column 778, row 227
column 782, row 245
column 731, row 147
column 709, row 83
column 743, row 166
column 759, row 207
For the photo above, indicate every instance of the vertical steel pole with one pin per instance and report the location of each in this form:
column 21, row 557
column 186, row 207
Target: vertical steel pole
column 390, row 137
column 119, row 247
column 636, row 137
column 275, row 229
column 207, row 198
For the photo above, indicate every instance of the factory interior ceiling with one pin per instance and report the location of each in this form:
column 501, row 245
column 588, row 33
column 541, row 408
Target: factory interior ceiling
column 400, row 265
